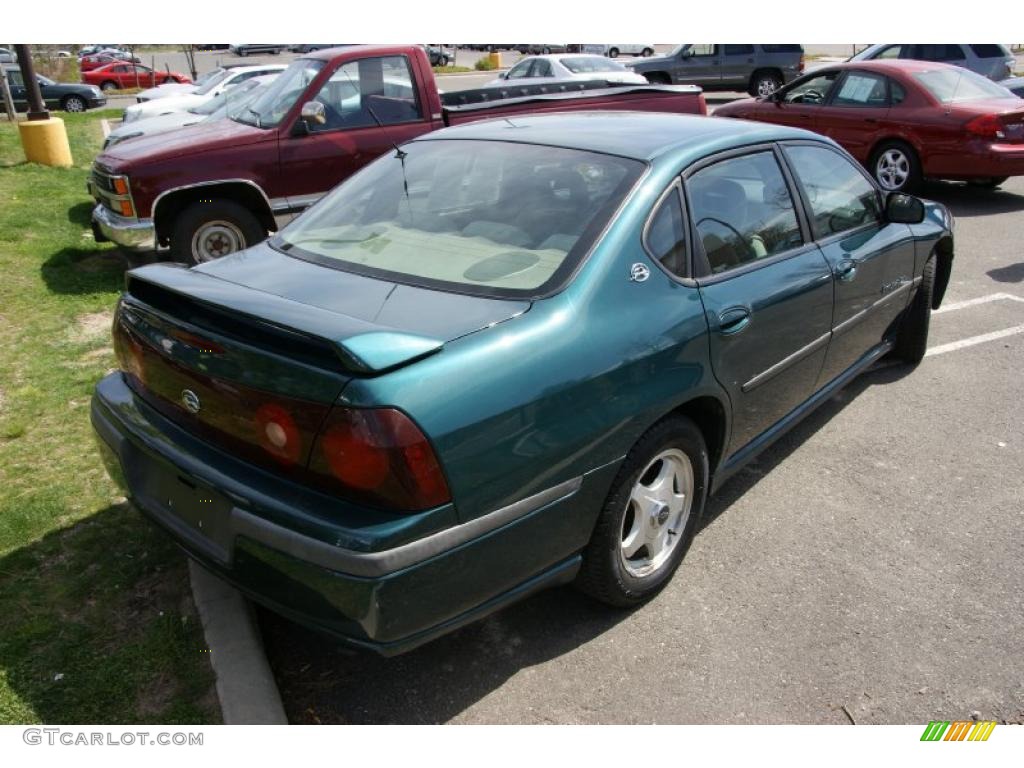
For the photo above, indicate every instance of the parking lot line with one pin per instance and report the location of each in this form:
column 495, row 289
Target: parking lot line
column 974, row 302
column 972, row 340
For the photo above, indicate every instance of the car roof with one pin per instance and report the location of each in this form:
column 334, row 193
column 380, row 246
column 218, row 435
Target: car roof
column 255, row 67
column 889, row 65
column 638, row 135
column 326, row 54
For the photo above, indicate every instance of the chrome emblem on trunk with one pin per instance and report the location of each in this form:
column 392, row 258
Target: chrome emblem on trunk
column 191, row 400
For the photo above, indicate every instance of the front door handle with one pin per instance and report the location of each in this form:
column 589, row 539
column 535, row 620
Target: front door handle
column 846, row 270
column 733, row 320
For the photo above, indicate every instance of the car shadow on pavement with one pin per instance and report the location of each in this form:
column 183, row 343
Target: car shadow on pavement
column 965, row 201
column 884, row 372
column 95, row 621
column 321, row 681
column 1011, row 273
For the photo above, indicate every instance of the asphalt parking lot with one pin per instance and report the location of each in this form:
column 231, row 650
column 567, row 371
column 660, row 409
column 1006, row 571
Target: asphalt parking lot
column 866, row 568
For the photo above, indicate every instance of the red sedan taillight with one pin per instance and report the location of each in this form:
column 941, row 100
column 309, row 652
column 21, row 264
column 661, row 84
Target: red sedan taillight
column 380, row 457
column 986, row 127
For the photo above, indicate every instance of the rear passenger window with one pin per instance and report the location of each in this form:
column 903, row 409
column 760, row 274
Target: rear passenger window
column 988, row 51
column 939, row 52
column 896, row 93
column 742, row 211
column 738, row 50
column 665, row 238
column 861, row 89
column 891, row 52
column 839, row 195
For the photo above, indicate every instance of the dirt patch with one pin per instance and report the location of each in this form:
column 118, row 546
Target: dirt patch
column 156, row 697
column 103, row 261
column 91, row 327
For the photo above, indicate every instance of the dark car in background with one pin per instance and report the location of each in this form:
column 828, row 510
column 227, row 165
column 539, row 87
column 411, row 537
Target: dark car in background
column 244, row 49
column 757, row 69
column 990, row 60
column 905, row 120
column 70, row 97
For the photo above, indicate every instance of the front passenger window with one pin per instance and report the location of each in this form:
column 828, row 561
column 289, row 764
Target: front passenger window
column 840, row 196
column 812, row 91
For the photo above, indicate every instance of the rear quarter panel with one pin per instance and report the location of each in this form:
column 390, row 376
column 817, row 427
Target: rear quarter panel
column 565, row 388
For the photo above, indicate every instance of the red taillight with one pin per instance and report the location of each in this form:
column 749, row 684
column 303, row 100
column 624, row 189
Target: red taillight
column 986, row 126
column 380, row 457
column 128, row 350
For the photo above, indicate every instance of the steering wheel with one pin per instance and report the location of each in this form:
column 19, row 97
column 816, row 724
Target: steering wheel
column 811, row 97
column 749, row 254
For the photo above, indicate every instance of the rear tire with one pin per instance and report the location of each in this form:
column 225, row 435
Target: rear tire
column 764, row 84
column 109, row 85
column 209, row 230
column 613, row 53
column 896, row 167
column 670, row 461
column 912, row 338
column 647, row 53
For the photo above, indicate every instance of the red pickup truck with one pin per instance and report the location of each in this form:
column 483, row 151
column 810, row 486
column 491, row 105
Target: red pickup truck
column 219, row 186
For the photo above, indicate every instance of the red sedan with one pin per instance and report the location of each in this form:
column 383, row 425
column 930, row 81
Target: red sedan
column 127, row 75
column 904, row 120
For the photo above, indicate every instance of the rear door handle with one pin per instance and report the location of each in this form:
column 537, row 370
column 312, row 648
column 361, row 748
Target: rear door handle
column 733, row 320
column 846, row 270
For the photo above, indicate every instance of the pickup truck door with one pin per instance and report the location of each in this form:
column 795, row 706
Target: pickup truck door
column 314, row 157
column 872, row 261
column 698, row 65
column 766, row 288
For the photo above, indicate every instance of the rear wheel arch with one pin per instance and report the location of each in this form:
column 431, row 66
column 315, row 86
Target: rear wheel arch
column 710, row 415
column 170, row 204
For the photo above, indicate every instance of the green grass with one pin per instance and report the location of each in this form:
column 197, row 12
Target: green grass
column 451, row 69
column 96, row 618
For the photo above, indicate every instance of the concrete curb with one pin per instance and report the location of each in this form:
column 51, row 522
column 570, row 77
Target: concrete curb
column 245, row 685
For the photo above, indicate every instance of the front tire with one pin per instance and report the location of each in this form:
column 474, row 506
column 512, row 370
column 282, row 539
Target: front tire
column 613, row 53
column 650, row 516
column 210, row 230
column 74, row 104
column 912, row 338
column 895, row 167
column 647, row 53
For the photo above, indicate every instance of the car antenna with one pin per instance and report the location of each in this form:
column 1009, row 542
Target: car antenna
column 399, row 152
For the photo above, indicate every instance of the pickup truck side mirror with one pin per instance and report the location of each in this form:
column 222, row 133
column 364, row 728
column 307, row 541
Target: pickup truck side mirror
column 903, row 209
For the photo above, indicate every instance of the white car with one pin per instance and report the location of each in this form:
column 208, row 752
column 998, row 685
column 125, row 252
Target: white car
column 182, row 102
column 176, row 89
column 225, row 105
column 538, row 70
column 614, row 50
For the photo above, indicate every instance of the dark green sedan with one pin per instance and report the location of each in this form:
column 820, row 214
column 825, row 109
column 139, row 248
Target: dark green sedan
column 69, row 97
column 504, row 356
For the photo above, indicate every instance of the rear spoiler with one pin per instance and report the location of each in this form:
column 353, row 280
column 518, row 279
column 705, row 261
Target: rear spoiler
column 362, row 347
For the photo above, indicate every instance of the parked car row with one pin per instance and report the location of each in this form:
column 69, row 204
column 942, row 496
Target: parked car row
column 567, row 66
column 120, row 75
column 70, row 97
column 158, row 103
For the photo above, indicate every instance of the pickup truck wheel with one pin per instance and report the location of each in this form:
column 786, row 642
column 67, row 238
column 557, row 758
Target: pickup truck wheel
column 208, row 231
column 912, row 338
column 647, row 53
column 650, row 516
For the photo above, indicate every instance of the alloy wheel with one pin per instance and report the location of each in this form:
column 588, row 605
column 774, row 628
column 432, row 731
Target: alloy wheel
column 656, row 514
column 765, row 86
column 892, row 169
column 74, row 104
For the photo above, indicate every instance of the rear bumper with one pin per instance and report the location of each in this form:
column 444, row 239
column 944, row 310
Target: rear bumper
column 979, row 160
column 388, row 600
column 133, row 234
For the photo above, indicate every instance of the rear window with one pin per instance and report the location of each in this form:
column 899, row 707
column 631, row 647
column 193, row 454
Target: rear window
column 579, row 64
column 487, row 218
column 989, row 51
column 953, row 85
column 783, row 48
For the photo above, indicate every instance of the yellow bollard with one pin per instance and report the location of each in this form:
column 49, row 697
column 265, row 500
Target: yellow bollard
column 46, row 142
column 495, row 58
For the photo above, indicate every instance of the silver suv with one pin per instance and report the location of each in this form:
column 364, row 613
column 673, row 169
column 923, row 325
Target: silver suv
column 757, row 69
column 992, row 60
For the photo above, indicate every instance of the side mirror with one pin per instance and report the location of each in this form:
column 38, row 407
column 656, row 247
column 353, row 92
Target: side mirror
column 903, row 209
column 313, row 112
